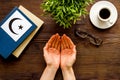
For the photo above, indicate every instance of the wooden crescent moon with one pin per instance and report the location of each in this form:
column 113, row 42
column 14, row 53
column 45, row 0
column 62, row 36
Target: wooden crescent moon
column 10, row 25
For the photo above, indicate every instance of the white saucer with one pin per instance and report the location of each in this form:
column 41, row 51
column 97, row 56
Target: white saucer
column 94, row 11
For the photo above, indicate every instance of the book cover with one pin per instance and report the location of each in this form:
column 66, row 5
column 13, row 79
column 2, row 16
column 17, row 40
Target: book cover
column 35, row 20
column 14, row 29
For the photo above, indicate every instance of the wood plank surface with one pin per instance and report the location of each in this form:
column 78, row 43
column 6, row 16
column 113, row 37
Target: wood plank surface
column 93, row 63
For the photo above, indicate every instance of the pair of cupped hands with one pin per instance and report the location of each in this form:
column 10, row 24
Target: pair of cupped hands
column 60, row 51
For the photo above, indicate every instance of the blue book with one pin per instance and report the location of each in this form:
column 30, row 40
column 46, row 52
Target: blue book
column 14, row 29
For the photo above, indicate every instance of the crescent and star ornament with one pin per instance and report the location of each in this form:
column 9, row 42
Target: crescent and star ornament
column 10, row 25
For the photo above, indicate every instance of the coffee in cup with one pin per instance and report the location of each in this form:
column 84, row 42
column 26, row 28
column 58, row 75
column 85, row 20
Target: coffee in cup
column 104, row 15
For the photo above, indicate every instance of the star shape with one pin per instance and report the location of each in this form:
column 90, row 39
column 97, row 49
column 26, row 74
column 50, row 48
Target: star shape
column 20, row 27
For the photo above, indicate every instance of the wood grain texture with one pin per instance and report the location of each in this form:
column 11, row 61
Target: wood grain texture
column 93, row 63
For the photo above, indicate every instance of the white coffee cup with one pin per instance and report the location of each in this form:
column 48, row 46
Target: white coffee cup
column 104, row 15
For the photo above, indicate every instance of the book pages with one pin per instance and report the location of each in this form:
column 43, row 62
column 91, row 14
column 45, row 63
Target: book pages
column 36, row 21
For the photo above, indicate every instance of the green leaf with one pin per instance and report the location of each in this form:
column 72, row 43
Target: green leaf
column 66, row 12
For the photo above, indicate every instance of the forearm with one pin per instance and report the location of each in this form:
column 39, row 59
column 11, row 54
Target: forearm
column 49, row 73
column 68, row 74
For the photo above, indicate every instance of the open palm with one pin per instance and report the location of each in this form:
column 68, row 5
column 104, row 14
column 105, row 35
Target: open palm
column 60, row 51
column 68, row 52
column 52, row 51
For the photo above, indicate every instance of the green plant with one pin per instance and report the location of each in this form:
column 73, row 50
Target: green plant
column 66, row 12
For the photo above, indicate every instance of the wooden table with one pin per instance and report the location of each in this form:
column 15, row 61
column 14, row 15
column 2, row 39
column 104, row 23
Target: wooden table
column 93, row 63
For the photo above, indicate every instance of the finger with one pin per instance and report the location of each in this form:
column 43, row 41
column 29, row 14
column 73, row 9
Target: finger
column 72, row 46
column 50, row 41
column 46, row 46
column 66, row 41
column 45, row 49
column 59, row 44
column 70, row 43
column 55, row 41
column 62, row 44
column 75, row 53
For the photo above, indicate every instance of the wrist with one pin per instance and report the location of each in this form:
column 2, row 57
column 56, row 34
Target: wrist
column 49, row 73
column 54, row 68
column 68, row 73
column 66, row 68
